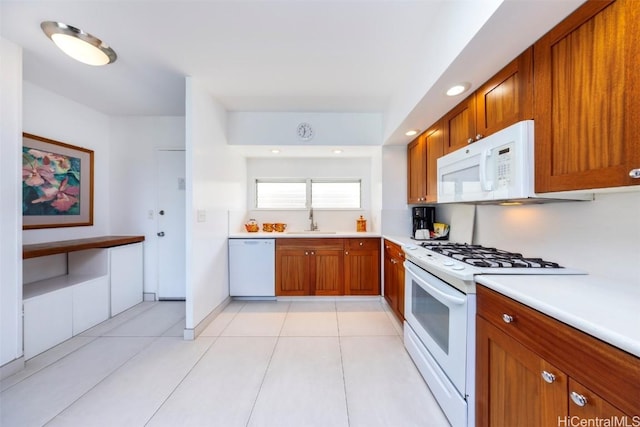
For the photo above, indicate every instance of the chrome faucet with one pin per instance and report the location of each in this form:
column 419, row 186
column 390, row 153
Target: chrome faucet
column 312, row 225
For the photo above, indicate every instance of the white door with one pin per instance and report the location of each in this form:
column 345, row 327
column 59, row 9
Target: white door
column 171, row 224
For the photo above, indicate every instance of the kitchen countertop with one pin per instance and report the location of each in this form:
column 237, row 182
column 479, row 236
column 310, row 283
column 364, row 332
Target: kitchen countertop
column 302, row 234
column 604, row 308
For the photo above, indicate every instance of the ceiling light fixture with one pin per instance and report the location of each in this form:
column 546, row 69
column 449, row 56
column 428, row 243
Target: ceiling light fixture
column 337, row 151
column 458, row 89
column 275, row 151
column 79, row 45
column 412, row 132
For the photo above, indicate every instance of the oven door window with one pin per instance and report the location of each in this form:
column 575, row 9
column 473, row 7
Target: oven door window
column 432, row 315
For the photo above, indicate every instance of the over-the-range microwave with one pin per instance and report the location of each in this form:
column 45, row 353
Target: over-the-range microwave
column 498, row 168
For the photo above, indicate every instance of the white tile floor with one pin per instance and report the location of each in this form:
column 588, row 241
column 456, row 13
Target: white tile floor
column 287, row 363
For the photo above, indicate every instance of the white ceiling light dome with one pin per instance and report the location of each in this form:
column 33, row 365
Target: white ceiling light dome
column 79, row 45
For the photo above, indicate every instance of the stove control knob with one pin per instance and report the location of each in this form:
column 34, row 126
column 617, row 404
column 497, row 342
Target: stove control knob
column 448, row 263
column 458, row 267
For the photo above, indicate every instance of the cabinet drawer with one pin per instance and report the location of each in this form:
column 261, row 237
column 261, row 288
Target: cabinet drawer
column 608, row 371
column 364, row 244
column 322, row 243
column 393, row 250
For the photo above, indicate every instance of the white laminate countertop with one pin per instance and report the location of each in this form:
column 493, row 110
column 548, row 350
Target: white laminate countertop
column 604, row 308
column 299, row 234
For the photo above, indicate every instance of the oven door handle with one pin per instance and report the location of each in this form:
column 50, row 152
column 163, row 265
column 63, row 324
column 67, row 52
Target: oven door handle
column 447, row 297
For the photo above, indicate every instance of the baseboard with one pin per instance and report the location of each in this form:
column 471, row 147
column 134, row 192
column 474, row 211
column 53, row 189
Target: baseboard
column 149, row 296
column 11, row 368
column 191, row 334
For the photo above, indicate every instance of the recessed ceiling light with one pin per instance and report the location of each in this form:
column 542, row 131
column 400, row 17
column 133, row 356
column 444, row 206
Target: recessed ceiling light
column 458, row 89
column 412, row 132
column 275, row 151
column 337, row 151
column 79, row 45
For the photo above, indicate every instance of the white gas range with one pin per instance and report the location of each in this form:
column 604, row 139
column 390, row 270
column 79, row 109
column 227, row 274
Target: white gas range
column 440, row 310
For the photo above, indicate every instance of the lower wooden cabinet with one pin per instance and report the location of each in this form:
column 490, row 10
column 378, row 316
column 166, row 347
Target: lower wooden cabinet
column 535, row 371
column 362, row 266
column 327, row 266
column 394, row 278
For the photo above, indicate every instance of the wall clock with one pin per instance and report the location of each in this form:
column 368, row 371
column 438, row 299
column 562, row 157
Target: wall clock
column 305, row 131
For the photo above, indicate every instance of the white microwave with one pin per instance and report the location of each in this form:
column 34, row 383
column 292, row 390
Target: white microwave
column 498, row 168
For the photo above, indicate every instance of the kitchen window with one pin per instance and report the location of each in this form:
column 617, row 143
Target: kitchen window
column 305, row 193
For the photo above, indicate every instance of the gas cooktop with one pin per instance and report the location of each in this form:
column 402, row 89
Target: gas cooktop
column 480, row 256
column 458, row 263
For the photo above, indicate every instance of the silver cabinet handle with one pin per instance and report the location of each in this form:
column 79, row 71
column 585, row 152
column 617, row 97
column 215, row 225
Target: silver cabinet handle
column 634, row 173
column 313, row 253
column 470, row 140
column 548, row 377
column 479, row 137
column 578, row 399
column 346, row 252
column 361, row 243
column 306, row 253
column 507, row 319
column 393, row 261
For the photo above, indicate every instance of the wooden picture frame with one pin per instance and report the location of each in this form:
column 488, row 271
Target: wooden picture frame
column 57, row 184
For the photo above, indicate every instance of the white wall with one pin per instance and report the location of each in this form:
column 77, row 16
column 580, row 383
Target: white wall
column 216, row 183
column 267, row 128
column 396, row 215
column 55, row 117
column 10, row 218
column 330, row 220
column 600, row 237
column 134, row 144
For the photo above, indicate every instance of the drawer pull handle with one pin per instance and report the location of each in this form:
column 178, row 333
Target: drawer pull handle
column 507, row 319
column 578, row 399
column 361, row 243
column 634, row 173
column 548, row 377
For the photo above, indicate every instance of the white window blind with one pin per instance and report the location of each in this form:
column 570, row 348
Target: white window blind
column 324, row 194
column 281, row 195
column 336, row 195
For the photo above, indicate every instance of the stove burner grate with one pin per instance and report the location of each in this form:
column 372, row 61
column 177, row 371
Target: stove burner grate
column 479, row 256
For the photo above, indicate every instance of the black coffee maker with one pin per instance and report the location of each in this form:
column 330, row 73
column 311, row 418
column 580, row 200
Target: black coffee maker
column 423, row 219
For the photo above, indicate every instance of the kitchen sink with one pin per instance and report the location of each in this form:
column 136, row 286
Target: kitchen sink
column 311, row 232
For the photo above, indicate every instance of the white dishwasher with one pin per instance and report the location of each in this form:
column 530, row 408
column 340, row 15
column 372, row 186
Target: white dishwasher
column 252, row 271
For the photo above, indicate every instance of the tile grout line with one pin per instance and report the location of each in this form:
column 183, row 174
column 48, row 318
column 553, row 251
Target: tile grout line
column 264, row 376
column 344, row 380
column 117, row 368
column 204, row 353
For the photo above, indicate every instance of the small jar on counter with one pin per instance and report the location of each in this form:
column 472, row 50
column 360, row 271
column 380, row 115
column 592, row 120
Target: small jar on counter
column 361, row 224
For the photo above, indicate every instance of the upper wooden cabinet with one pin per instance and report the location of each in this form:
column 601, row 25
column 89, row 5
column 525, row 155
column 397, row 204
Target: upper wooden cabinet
column 417, row 170
column 422, row 155
column 434, row 142
column 586, row 99
column 459, row 125
column 507, row 97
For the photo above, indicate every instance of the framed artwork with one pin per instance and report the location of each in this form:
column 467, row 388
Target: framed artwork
column 57, row 184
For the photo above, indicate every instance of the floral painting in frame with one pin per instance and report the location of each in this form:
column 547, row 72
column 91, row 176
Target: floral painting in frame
column 57, row 184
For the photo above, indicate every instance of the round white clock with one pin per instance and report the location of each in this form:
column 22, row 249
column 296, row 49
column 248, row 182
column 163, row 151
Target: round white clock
column 305, row 131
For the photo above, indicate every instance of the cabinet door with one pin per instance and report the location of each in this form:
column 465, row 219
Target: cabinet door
column 362, row 267
column 417, row 170
column 460, row 125
column 586, row 99
column 126, row 277
column 399, row 279
column 90, row 303
column 507, row 97
column 327, row 272
column 585, row 404
column 48, row 321
column 292, row 271
column 510, row 387
column 434, row 142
